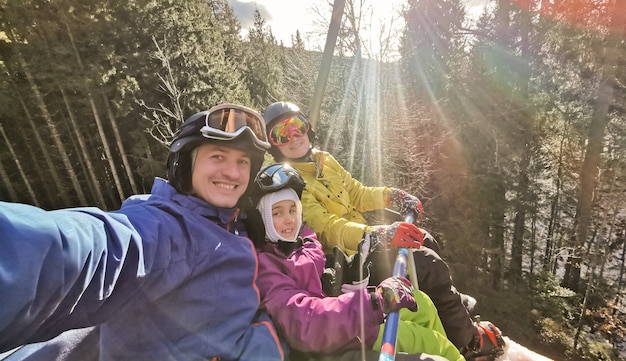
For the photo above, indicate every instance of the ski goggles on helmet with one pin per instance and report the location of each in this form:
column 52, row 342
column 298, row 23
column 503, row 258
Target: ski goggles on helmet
column 229, row 121
column 283, row 132
column 279, row 176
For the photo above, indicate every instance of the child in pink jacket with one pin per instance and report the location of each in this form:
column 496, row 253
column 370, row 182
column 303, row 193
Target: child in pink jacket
column 291, row 263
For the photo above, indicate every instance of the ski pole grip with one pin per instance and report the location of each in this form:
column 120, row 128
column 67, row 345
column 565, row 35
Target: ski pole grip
column 409, row 217
column 411, row 270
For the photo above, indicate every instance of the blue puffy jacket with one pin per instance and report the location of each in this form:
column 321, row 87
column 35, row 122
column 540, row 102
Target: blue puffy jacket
column 168, row 276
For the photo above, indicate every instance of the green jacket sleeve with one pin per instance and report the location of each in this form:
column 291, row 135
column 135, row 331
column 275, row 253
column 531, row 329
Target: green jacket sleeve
column 422, row 331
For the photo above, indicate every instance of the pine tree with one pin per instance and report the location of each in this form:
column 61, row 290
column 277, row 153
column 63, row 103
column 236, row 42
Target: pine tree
column 430, row 45
column 263, row 58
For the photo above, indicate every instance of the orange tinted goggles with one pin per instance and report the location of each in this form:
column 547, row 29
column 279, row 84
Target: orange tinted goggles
column 228, row 121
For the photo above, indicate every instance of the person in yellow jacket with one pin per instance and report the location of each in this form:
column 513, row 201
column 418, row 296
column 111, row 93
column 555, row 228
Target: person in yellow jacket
column 332, row 203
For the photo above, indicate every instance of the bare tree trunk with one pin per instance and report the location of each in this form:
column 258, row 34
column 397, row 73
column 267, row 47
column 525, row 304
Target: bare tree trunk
column 120, row 145
column 519, row 225
column 56, row 137
column 497, row 215
column 622, row 272
column 599, row 120
column 149, row 156
column 72, row 146
column 496, row 230
column 327, row 57
column 527, row 121
column 29, row 188
column 533, row 239
column 106, row 147
column 607, row 244
column 44, row 190
column 610, row 217
column 83, row 148
column 8, row 184
column 588, row 292
column 94, row 110
column 555, row 209
column 49, row 190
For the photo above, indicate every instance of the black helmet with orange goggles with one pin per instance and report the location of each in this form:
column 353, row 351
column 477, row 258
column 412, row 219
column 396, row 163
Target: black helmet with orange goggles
column 232, row 125
column 222, row 122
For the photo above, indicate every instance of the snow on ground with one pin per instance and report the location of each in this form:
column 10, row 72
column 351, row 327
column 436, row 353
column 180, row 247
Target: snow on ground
column 516, row 352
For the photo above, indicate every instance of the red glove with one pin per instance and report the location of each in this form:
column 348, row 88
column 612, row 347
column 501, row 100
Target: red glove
column 398, row 234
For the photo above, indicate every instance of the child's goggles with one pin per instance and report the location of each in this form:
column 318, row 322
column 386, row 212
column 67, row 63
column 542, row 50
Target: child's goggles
column 278, row 176
column 228, row 121
column 283, row 132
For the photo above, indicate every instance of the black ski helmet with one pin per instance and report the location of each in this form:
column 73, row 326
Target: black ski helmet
column 231, row 125
column 282, row 110
column 275, row 177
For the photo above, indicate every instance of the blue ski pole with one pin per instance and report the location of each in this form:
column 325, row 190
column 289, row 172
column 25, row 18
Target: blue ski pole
column 390, row 333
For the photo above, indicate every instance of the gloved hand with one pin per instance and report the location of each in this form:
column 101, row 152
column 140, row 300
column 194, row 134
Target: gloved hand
column 357, row 270
column 395, row 293
column 406, row 203
column 348, row 273
column 398, row 234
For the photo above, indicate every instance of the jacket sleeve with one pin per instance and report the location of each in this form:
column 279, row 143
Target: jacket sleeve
column 57, row 269
column 315, row 323
column 336, row 230
column 332, row 230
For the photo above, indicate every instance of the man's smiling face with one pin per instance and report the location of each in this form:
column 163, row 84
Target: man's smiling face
column 220, row 174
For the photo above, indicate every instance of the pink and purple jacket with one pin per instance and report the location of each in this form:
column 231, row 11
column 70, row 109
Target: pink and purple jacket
column 291, row 293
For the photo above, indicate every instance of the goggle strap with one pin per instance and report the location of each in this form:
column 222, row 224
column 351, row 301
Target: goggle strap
column 213, row 133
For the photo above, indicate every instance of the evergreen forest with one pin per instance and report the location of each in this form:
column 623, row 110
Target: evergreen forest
column 511, row 129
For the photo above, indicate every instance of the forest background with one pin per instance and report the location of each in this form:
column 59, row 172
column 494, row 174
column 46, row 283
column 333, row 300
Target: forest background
column 511, row 131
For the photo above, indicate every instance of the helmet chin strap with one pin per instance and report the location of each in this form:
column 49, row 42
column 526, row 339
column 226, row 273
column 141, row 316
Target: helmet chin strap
column 288, row 247
column 192, row 155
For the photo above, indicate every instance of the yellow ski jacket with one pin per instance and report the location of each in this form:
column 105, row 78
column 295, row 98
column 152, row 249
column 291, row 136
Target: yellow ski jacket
column 332, row 202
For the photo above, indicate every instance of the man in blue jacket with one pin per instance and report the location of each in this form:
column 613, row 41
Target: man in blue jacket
column 169, row 276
